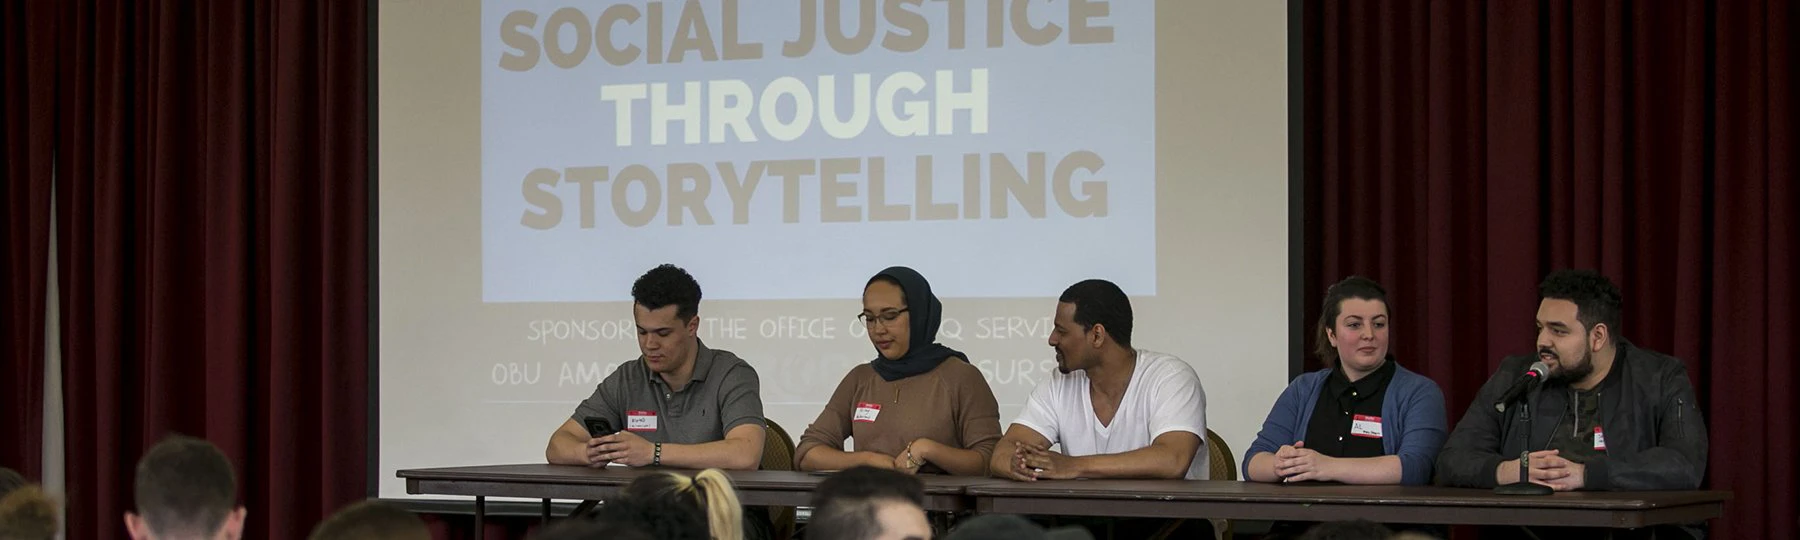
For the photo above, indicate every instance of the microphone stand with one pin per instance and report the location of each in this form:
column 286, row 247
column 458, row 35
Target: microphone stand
column 1524, row 485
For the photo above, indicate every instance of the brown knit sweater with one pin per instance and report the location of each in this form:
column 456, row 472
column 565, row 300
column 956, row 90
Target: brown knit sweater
column 951, row 404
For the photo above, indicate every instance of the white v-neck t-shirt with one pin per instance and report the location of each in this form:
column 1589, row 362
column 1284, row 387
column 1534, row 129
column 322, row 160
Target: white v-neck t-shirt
column 1164, row 395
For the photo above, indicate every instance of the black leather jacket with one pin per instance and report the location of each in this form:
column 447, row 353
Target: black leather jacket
column 1655, row 437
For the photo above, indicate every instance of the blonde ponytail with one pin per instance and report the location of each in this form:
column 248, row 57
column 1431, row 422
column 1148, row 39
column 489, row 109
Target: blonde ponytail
column 725, row 517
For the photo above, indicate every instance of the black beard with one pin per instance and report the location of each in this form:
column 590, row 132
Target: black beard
column 1570, row 372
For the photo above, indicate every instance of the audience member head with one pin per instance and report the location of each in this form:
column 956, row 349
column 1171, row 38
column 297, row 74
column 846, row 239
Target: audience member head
column 709, row 492
column 1578, row 313
column 586, row 528
column 659, row 518
column 26, row 513
column 866, row 503
column 1347, row 530
column 1353, row 325
column 371, row 520
column 1009, row 527
column 870, row 519
column 868, row 483
column 185, row 490
column 1092, row 317
column 10, row 480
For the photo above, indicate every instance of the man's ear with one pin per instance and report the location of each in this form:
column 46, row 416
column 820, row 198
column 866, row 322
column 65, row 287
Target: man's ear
column 1097, row 337
column 1599, row 338
column 135, row 526
column 233, row 528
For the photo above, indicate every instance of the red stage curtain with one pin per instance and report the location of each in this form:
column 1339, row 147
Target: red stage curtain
column 212, row 202
column 27, row 125
column 1459, row 151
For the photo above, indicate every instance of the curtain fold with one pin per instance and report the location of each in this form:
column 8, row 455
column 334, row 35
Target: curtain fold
column 27, row 102
column 1459, row 151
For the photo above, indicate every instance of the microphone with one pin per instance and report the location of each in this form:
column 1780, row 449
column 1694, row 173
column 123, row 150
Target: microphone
column 1526, row 383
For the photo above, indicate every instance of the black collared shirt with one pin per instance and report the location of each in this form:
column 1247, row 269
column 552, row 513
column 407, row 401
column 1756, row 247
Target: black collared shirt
column 1341, row 404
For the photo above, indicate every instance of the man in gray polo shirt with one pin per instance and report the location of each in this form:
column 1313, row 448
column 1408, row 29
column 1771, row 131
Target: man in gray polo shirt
column 680, row 404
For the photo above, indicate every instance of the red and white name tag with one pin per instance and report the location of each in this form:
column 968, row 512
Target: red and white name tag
column 640, row 420
column 866, row 412
column 1599, row 439
column 1363, row 425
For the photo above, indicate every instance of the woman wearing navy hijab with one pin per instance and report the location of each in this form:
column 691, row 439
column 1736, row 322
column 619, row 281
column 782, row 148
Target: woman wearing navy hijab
column 918, row 405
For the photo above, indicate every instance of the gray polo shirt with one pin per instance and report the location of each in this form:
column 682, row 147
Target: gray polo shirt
column 724, row 393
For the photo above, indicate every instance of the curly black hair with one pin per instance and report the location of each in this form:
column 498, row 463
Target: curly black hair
column 1597, row 300
column 1098, row 301
column 668, row 285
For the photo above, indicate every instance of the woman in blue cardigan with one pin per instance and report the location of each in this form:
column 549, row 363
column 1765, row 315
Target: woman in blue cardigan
column 1361, row 420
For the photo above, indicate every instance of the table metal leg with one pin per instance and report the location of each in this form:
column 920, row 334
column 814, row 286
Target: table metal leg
column 544, row 518
column 480, row 516
column 583, row 508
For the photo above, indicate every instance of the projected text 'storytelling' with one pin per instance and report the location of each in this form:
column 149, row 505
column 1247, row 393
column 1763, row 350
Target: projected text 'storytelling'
column 680, row 192
column 757, row 129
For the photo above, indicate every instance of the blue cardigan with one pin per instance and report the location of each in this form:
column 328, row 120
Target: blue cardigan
column 1412, row 421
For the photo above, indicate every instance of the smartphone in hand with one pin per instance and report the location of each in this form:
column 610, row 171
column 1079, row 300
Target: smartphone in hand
column 597, row 426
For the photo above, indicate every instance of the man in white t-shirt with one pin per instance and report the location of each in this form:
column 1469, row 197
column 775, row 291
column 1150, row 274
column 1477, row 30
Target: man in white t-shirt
column 1116, row 412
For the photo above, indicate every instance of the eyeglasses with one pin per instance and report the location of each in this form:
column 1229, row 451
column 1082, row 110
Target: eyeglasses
column 884, row 319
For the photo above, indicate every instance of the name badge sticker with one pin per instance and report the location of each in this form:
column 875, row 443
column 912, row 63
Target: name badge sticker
column 866, row 412
column 1365, row 426
column 640, row 420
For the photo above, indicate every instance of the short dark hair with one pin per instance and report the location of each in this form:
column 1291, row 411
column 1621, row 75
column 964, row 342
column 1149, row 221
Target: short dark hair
column 1357, row 287
column 864, row 483
column 1597, row 300
column 1347, row 530
column 845, row 504
column 853, row 519
column 10, row 480
column 668, row 285
column 1098, row 301
column 371, row 520
column 585, row 528
column 662, row 518
column 997, row 527
column 185, row 487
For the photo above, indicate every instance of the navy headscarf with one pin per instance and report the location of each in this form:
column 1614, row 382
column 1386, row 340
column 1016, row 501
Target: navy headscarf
column 923, row 352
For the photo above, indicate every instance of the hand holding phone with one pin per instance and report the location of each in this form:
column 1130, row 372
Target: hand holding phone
column 597, row 427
